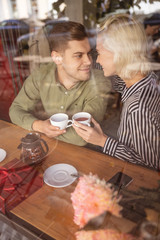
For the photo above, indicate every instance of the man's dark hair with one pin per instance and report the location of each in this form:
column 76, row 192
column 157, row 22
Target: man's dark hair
column 63, row 32
column 153, row 20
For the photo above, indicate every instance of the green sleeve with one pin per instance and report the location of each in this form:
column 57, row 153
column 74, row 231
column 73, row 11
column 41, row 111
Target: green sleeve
column 21, row 109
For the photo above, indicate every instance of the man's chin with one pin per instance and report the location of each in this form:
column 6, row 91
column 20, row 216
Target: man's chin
column 86, row 77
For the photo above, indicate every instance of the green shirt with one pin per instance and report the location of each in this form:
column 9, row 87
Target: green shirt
column 41, row 86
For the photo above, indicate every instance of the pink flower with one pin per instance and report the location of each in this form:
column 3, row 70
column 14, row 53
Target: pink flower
column 92, row 197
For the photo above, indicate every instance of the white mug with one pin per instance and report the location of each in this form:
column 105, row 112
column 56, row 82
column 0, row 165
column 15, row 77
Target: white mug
column 60, row 120
column 82, row 117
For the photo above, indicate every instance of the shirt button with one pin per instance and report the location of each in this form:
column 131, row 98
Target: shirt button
column 66, row 93
column 62, row 107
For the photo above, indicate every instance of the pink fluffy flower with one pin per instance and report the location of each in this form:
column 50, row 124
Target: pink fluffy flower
column 107, row 234
column 92, row 197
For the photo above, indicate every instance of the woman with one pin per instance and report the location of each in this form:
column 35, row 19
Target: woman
column 122, row 51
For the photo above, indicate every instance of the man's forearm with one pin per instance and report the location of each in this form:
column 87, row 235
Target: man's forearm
column 21, row 118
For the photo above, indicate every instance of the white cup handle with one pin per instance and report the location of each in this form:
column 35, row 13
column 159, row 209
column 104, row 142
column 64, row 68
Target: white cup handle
column 69, row 125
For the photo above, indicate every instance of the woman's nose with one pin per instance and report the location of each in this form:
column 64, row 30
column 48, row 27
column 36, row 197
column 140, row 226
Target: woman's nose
column 97, row 60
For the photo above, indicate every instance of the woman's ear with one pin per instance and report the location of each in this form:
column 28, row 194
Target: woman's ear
column 56, row 57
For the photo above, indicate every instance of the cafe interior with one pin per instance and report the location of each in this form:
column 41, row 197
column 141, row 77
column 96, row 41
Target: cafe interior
column 65, row 191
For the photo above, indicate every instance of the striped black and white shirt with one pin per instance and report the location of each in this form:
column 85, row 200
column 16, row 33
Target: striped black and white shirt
column 139, row 129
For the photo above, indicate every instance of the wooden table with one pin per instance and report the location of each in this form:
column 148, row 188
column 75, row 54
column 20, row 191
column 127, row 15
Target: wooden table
column 48, row 212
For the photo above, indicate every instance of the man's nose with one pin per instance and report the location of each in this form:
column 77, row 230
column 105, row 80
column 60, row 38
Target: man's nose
column 87, row 59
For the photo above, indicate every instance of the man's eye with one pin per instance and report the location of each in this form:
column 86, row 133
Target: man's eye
column 78, row 56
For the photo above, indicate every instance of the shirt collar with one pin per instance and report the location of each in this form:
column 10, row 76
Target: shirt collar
column 118, row 84
column 127, row 92
column 63, row 87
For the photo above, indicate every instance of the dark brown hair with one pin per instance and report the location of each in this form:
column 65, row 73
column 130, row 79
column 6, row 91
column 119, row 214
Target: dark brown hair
column 63, row 32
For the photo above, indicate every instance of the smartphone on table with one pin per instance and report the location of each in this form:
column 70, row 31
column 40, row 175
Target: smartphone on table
column 120, row 179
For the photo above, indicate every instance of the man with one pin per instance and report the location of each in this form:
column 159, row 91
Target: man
column 67, row 85
column 139, row 129
column 152, row 26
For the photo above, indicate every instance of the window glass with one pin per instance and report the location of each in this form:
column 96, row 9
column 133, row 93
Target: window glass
column 26, row 64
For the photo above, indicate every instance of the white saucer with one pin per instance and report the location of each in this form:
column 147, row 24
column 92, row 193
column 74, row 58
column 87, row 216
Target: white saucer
column 60, row 175
column 2, row 154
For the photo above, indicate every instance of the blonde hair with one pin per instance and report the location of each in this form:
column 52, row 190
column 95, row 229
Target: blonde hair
column 126, row 38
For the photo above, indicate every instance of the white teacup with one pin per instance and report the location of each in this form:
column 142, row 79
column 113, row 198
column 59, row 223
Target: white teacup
column 82, row 117
column 60, row 120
